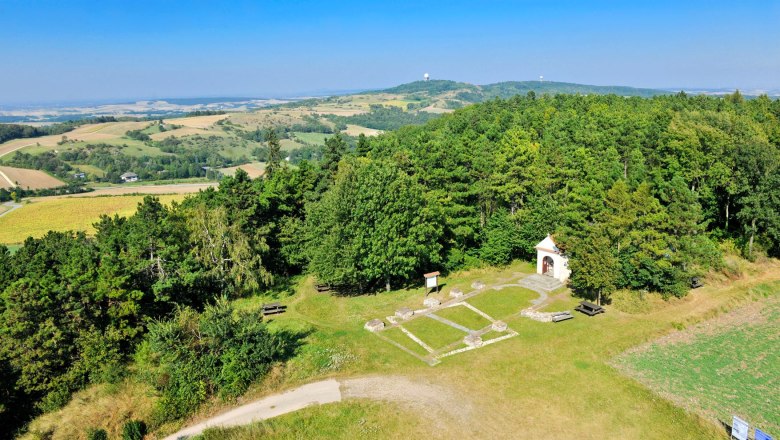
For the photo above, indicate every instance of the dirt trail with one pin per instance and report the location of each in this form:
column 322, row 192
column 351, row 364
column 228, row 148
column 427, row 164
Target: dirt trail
column 437, row 403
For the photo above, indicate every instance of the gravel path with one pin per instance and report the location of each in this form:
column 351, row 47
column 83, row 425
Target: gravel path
column 434, row 400
column 325, row 391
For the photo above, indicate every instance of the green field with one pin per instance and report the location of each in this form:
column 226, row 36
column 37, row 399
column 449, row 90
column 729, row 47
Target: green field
column 499, row 304
column 311, row 138
column 724, row 368
column 38, row 217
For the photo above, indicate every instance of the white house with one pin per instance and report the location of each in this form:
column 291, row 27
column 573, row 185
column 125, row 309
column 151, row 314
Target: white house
column 550, row 261
column 129, row 177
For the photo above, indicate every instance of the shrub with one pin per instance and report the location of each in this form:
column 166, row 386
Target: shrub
column 97, row 434
column 133, row 430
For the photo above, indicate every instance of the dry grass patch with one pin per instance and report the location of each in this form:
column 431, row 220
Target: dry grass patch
column 254, row 169
column 197, row 121
column 357, row 130
column 102, row 406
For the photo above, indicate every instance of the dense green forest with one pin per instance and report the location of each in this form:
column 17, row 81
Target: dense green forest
column 642, row 193
column 384, row 118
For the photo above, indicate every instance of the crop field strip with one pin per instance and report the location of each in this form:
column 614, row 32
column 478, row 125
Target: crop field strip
column 66, row 214
column 728, row 366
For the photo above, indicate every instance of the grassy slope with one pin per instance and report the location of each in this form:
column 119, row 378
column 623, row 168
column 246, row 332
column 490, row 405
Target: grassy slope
column 551, row 381
column 64, row 214
column 554, row 380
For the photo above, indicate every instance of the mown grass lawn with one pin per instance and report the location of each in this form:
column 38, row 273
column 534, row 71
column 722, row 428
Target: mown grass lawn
column 434, row 333
column 464, row 316
column 500, row 304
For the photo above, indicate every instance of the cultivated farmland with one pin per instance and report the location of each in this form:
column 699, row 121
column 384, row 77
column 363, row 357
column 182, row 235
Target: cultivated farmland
column 27, row 179
column 730, row 365
column 39, row 216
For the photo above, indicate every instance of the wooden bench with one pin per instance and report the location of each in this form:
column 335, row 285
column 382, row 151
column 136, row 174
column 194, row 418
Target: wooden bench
column 561, row 316
column 322, row 287
column 273, row 308
column 589, row 308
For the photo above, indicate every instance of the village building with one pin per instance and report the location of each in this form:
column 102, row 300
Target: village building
column 129, row 177
column 550, row 261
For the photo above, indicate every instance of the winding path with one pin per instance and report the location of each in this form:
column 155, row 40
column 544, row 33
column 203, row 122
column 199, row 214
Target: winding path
column 420, row 395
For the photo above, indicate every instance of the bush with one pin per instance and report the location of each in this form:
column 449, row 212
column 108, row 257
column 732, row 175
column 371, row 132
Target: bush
column 133, row 430
column 97, row 434
column 219, row 351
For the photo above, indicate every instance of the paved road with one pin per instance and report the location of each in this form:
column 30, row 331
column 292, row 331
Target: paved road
column 325, row 391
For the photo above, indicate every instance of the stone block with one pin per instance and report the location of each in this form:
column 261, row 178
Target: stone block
column 479, row 285
column 404, row 313
column 431, row 302
column 472, row 340
column 456, row 293
column 374, row 325
column 499, row 326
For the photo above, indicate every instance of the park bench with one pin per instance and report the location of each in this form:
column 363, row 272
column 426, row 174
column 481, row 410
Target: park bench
column 561, row 316
column 589, row 308
column 322, row 287
column 273, row 308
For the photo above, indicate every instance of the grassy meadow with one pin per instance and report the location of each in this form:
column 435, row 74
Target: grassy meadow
column 39, row 216
column 550, row 381
column 727, row 366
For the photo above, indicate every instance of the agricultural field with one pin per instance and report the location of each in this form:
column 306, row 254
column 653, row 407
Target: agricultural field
column 311, row 138
column 723, row 367
column 254, row 169
column 27, row 179
column 39, row 216
column 356, row 130
column 197, row 121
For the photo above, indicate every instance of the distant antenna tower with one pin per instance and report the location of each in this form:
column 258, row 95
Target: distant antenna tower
column 426, row 77
column 541, row 78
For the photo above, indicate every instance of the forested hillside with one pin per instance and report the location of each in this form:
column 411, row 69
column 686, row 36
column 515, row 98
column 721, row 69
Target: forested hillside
column 641, row 193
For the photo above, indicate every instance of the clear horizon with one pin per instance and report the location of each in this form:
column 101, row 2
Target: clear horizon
column 89, row 52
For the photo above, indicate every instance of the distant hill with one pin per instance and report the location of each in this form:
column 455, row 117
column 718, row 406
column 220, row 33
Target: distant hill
column 475, row 93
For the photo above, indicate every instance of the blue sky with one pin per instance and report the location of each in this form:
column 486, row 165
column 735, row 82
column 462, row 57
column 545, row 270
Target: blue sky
column 80, row 51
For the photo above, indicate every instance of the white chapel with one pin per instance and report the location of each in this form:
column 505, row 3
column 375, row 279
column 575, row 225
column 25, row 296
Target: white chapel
column 550, row 261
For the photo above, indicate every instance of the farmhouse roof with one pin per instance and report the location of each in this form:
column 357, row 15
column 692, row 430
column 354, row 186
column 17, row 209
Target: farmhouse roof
column 128, row 174
column 548, row 245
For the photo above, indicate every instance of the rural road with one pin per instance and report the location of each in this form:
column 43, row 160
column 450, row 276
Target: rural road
column 174, row 188
column 11, row 205
column 421, row 396
column 325, row 391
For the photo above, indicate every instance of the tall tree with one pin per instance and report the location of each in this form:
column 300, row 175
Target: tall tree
column 593, row 264
column 374, row 224
column 274, row 152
